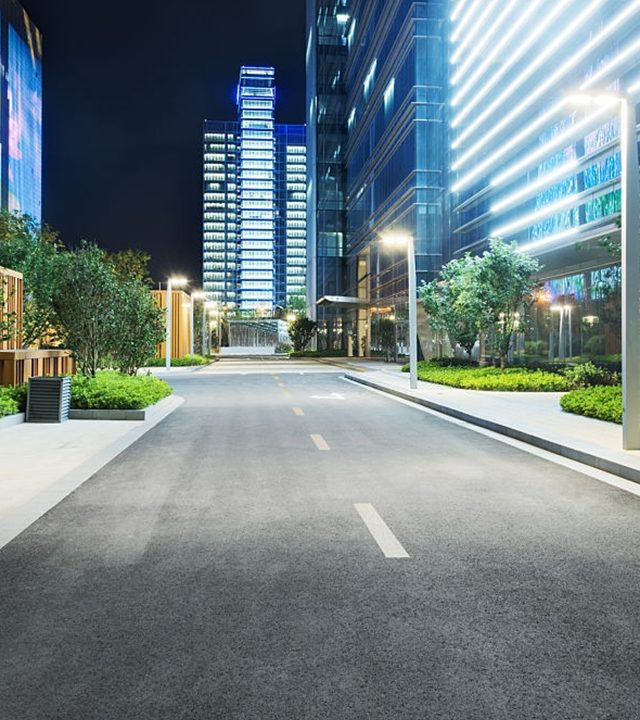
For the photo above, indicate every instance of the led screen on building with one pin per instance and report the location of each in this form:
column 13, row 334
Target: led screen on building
column 24, row 89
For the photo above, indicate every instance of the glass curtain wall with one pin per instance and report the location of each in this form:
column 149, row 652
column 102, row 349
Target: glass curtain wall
column 292, row 213
column 257, row 217
column 326, row 58
column 396, row 81
column 532, row 165
column 220, row 211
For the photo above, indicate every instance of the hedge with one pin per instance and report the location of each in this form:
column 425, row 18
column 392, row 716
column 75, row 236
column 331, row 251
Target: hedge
column 110, row 390
column 186, row 361
column 601, row 402
column 12, row 400
column 491, row 378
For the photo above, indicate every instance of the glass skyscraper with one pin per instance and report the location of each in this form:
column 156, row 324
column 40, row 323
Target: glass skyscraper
column 378, row 77
column 20, row 111
column 450, row 120
column 254, row 244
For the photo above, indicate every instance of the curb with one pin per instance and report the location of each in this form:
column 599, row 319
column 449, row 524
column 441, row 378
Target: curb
column 147, row 413
column 11, row 420
column 15, row 523
column 581, row 456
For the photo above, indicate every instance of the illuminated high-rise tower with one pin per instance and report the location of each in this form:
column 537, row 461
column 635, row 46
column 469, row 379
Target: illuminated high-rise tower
column 254, row 201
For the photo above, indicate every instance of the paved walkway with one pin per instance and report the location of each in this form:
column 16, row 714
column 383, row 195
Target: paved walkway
column 535, row 418
column 43, row 463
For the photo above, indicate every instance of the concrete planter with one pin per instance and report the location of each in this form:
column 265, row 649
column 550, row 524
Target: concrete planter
column 135, row 415
column 11, row 420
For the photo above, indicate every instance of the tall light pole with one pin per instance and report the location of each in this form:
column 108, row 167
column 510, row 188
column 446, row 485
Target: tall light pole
column 171, row 282
column 629, row 259
column 400, row 240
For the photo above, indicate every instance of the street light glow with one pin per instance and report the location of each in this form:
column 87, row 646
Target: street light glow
column 398, row 239
column 178, row 281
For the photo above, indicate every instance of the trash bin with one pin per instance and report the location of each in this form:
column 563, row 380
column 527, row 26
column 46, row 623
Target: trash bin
column 48, row 399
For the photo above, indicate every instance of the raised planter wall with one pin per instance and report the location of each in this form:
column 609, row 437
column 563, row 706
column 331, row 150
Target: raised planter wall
column 17, row 366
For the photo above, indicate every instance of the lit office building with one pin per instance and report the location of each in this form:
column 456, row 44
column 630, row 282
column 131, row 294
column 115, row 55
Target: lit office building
column 532, row 164
column 377, row 79
column 254, row 202
column 20, row 112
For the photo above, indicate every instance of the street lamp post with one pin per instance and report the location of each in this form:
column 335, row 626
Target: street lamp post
column 409, row 242
column 629, row 260
column 171, row 282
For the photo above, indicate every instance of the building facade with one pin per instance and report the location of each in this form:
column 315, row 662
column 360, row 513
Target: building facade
column 254, row 220
column 382, row 67
column 535, row 153
column 450, row 120
column 20, row 111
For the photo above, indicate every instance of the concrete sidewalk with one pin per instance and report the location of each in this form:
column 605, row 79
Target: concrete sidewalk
column 534, row 418
column 40, row 464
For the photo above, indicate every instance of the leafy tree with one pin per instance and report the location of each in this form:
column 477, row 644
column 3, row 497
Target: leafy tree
column 297, row 303
column 301, row 331
column 85, row 301
column 8, row 320
column 140, row 326
column 35, row 252
column 505, row 286
column 454, row 304
column 131, row 264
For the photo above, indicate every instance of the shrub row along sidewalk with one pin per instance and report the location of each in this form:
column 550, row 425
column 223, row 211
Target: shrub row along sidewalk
column 492, row 378
column 108, row 390
column 590, row 391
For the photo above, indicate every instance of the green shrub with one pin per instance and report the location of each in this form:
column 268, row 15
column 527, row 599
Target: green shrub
column 595, row 345
column 317, row 353
column 13, row 400
column 601, row 402
column 186, row 361
column 536, row 347
column 110, row 390
column 8, row 404
column 491, row 378
column 589, row 375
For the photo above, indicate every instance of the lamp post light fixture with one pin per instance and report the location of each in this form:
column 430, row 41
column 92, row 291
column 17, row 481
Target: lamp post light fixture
column 630, row 258
column 405, row 240
column 171, row 283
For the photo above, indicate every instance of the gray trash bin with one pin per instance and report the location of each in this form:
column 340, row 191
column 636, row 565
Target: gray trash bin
column 48, row 399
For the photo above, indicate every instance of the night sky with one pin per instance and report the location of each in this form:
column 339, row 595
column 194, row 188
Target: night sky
column 126, row 88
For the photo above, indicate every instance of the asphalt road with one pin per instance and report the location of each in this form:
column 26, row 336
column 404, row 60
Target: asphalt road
column 227, row 566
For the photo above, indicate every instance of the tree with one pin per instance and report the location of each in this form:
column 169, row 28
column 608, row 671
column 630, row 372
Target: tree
column 301, row 331
column 35, row 252
column 85, row 301
column 505, row 287
column 131, row 264
column 8, row 320
column 454, row 304
column 140, row 326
